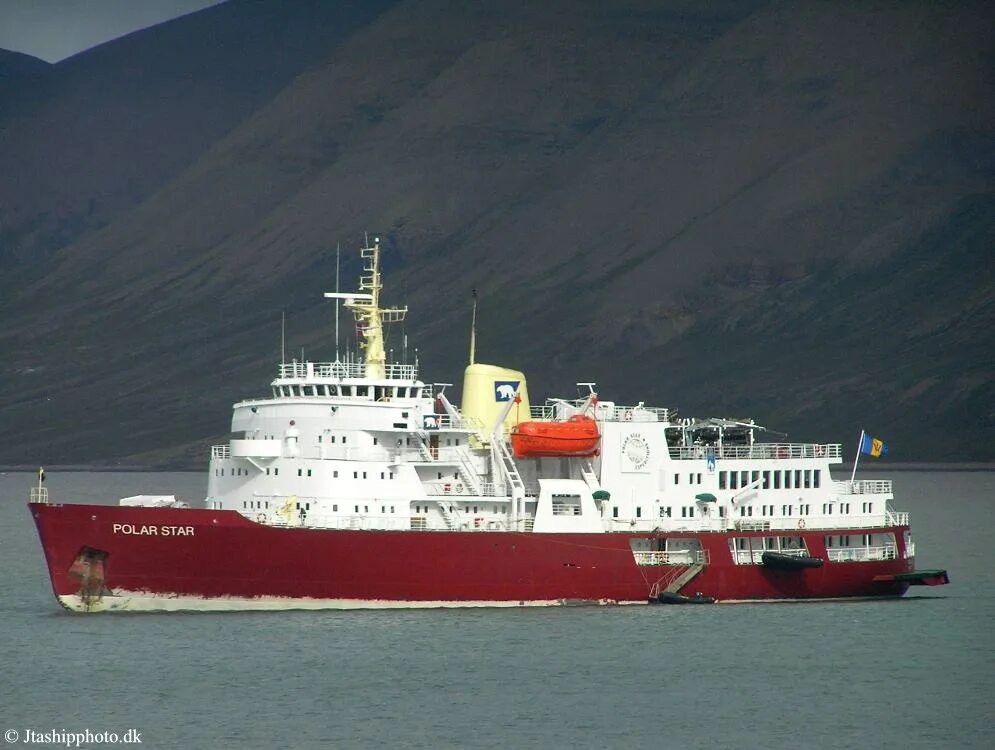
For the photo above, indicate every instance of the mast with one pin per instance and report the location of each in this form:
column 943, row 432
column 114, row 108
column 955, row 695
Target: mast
column 473, row 330
column 370, row 317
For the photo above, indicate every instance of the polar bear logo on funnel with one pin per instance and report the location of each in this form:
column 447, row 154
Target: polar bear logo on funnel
column 505, row 390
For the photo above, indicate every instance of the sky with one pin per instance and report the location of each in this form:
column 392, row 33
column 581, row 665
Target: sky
column 56, row 29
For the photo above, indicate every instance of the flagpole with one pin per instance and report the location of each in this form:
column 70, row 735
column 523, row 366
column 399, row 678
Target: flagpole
column 860, row 444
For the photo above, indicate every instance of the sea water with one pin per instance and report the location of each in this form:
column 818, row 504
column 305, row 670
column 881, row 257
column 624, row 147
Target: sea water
column 910, row 673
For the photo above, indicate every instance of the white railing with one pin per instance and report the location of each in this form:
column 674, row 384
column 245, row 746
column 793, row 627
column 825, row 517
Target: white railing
column 675, row 557
column 39, row 494
column 458, row 488
column 553, row 412
column 749, row 557
column 760, row 451
column 896, row 518
column 220, row 451
column 864, row 487
column 861, row 554
column 339, row 370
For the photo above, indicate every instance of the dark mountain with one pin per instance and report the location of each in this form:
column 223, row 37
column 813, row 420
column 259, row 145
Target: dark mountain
column 109, row 126
column 771, row 209
column 16, row 66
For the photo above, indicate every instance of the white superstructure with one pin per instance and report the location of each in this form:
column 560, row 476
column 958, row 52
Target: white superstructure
column 368, row 445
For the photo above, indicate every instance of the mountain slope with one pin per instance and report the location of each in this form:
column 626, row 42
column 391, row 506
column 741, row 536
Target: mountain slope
column 690, row 206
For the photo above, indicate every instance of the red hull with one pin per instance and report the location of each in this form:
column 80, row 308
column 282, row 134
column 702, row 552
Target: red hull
column 219, row 556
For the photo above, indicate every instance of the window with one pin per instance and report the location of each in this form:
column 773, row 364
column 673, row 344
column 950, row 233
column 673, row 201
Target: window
column 699, row 477
column 665, row 512
column 722, row 480
column 766, row 480
column 808, row 478
column 382, row 475
column 798, row 478
column 787, row 480
column 777, row 480
column 615, row 511
column 815, row 477
column 755, row 477
column 391, row 508
column 364, row 475
column 357, row 509
column 355, row 475
column 677, row 478
column 335, row 474
column 309, row 472
column 722, row 511
column 300, row 472
column 390, row 475
column 374, row 441
column 335, row 509
column 733, row 480
column 276, row 472
column 744, row 479
column 639, row 512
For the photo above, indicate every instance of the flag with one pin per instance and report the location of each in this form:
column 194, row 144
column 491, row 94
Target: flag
column 873, row 447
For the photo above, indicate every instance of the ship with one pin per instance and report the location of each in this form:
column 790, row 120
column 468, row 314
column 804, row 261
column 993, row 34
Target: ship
column 355, row 484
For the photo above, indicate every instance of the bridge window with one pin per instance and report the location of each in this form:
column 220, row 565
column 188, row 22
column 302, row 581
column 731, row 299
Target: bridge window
column 733, row 480
column 744, row 479
column 777, row 480
column 665, row 511
column 816, row 477
column 798, row 478
column 677, row 478
column 766, row 480
column 722, row 480
column 309, row 472
column 808, row 478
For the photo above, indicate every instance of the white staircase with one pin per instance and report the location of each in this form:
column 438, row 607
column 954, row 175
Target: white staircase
column 501, row 457
column 465, row 467
column 589, row 476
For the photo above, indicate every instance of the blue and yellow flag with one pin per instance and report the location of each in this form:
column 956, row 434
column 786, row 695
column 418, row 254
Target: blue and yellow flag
column 873, row 447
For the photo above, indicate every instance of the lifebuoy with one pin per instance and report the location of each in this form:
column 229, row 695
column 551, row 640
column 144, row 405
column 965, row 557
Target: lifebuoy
column 738, row 525
column 459, row 488
column 477, row 522
column 261, row 517
column 820, row 451
column 447, row 488
column 801, row 523
column 782, row 452
column 627, row 415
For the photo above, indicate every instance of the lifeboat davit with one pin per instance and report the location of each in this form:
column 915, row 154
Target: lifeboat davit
column 578, row 436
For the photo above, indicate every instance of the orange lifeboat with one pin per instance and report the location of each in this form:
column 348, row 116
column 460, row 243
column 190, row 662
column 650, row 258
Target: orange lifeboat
column 578, row 436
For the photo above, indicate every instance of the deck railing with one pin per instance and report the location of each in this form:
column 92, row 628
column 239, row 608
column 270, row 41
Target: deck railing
column 862, row 554
column 220, row 451
column 338, row 370
column 864, row 487
column 673, row 557
column 759, row 451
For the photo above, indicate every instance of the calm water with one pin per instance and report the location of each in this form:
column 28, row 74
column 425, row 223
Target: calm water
column 919, row 672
